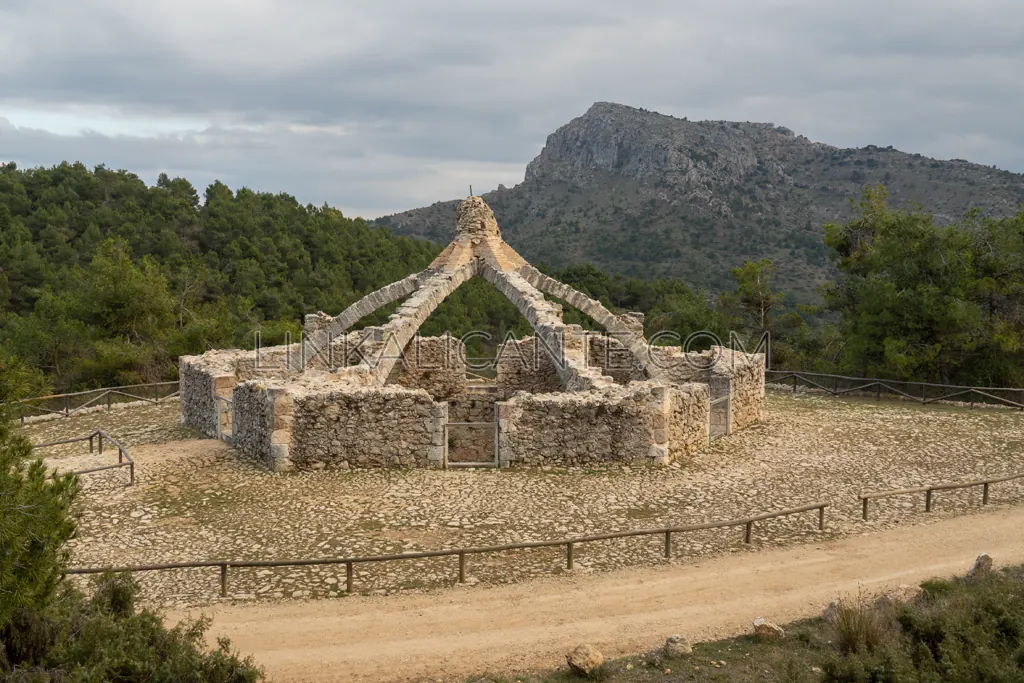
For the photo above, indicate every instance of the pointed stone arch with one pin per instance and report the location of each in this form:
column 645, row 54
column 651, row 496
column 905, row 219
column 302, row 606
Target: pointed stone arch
column 478, row 250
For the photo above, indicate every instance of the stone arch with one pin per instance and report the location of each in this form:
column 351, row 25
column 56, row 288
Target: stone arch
column 478, row 249
column 317, row 339
column 634, row 343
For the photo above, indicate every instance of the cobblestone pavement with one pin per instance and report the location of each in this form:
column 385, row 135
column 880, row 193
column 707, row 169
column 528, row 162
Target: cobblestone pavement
column 196, row 499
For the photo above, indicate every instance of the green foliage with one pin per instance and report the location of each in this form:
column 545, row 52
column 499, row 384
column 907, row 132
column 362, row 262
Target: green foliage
column 754, row 300
column 918, row 301
column 49, row 630
column 104, row 638
column 958, row 631
column 35, row 522
column 106, row 281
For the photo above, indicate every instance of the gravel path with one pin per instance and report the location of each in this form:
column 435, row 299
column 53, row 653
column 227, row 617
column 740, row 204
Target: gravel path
column 197, row 500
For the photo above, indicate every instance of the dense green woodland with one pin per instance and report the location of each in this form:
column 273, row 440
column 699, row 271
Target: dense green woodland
column 105, row 280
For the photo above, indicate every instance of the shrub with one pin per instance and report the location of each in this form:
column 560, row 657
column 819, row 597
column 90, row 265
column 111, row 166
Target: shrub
column 49, row 630
column 958, row 631
column 859, row 627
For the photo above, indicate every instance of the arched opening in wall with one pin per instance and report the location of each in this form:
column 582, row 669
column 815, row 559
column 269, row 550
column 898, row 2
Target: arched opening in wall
column 604, row 349
column 454, row 358
column 482, row 317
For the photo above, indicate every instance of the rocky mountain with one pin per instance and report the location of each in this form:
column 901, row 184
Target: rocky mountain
column 642, row 193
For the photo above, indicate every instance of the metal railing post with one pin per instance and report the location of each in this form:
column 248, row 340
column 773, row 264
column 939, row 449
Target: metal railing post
column 348, row 577
column 821, row 518
column 928, row 501
column 984, row 495
column 569, row 556
column 668, row 544
column 462, row 566
column 749, row 532
column 865, row 509
column 224, row 580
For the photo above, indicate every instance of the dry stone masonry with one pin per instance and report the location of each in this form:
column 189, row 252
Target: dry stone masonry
column 384, row 397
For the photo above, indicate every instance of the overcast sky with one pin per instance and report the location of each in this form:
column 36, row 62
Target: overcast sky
column 381, row 106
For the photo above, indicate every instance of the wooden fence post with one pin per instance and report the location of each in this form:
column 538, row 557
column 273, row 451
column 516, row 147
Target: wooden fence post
column 348, row 577
column 462, row 567
column 668, row 544
column 224, row 580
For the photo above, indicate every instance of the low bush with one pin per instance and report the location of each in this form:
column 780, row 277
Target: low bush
column 959, row 631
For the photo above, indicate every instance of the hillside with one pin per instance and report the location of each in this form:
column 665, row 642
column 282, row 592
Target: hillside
column 645, row 194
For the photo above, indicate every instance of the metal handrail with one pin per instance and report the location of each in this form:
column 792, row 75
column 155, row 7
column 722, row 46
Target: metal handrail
column 100, row 436
column 569, row 543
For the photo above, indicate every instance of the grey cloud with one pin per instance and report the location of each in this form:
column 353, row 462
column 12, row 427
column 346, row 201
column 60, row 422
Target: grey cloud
column 425, row 88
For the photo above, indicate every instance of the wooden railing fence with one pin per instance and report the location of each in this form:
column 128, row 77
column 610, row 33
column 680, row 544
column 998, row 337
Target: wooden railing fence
column 921, row 392
column 570, row 545
column 66, row 405
column 96, row 439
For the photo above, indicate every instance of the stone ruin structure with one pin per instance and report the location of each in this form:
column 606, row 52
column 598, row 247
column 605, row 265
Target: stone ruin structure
column 385, row 397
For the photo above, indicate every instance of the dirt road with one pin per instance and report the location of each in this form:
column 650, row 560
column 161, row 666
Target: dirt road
column 450, row 634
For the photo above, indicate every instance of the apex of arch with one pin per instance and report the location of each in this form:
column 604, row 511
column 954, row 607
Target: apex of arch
column 474, row 220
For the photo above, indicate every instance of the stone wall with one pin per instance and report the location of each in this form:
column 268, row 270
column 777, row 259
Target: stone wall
column 202, row 379
column 577, row 429
column 263, row 423
column 368, row 427
column 435, row 364
column 688, row 425
column 607, row 352
column 644, row 422
column 525, row 365
column 252, row 433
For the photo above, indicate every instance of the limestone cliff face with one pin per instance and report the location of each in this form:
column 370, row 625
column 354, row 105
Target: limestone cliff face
column 646, row 194
column 640, row 144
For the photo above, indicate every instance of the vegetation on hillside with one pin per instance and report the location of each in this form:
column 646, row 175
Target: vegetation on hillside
column 105, row 280
column 646, row 194
column 52, row 631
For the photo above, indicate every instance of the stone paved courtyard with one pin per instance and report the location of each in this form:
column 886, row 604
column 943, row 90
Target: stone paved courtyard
column 197, row 500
